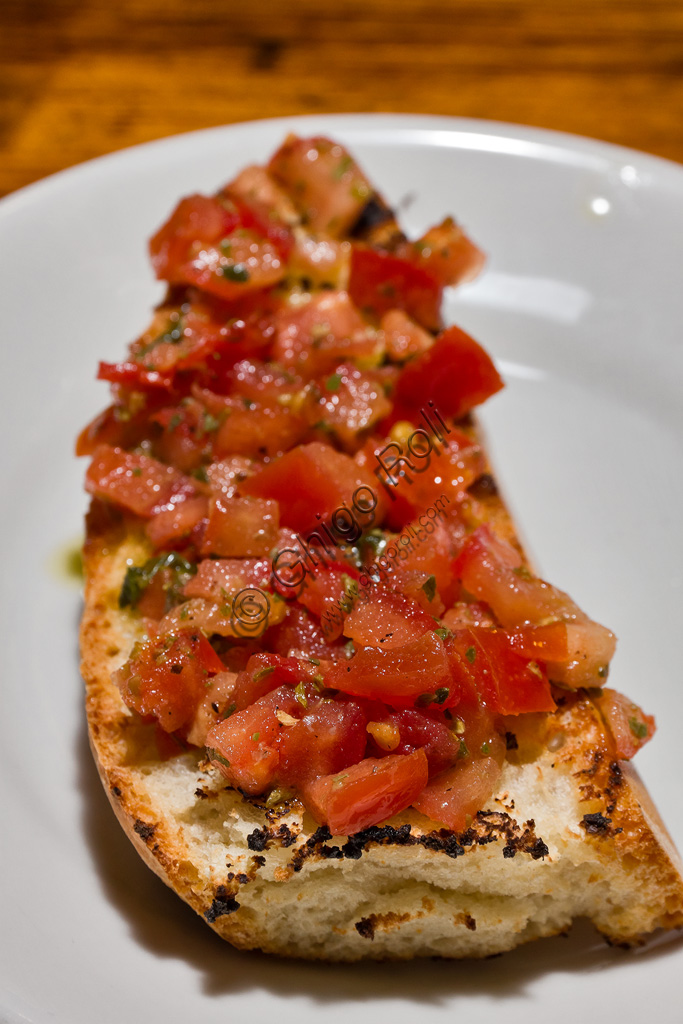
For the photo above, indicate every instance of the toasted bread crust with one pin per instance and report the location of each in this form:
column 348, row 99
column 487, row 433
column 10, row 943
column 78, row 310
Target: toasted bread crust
column 569, row 833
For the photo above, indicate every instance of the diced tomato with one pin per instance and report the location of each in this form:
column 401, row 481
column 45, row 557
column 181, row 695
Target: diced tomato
column 453, row 798
column 217, row 579
column 115, row 427
column 449, row 254
column 419, row 671
column 628, row 726
column 314, row 336
column 386, row 620
column 403, row 337
column 172, row 525
column 311, row 482
column 256, row 186
column 492, row 571
column 225, row 475
column 244, row 747
column 320, row 261
column 266, row 672
column 214, row 704
column 324, row 182
column 351, row 401
column 301, row 634
column 329, row 737
column 133, row 375
column 250, row 428
column 474, row 613
column 137, row 483
column 329, row 592
column 508, row 683
column 456, row 374
column 367, row 793
column 211, row 243
column 416, row 730
column 425, row 474
column 166, row 678
column 241, row 527
column 380, row 281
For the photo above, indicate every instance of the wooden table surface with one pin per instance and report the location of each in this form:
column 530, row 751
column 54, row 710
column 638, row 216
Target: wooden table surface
column 79, row 78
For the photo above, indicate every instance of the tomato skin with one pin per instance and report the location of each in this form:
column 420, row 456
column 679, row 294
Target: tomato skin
column 311, row 482
column 367, row 793
column 314, row 337
column 133, row 375
column 266, row 672
column 165, row 678
column 403, row 337
column 301, row 634
column 324, row 182
column 137, row 483
column 383, row 619
column 449, row 254
column 508, row 683
column 171, row 526
column 458, row 793
column 244, row 747
column 329, row 737
column 487, row 568
column 456, row 374
column 240, row 527
column 218, row 578
column 380, row 282
column 399, row 676
column 629, row 728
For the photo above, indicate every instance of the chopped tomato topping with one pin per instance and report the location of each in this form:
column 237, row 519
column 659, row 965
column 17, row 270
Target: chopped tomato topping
column 453, row 798
column 166, row 678
column 410, row 730
column 449, row 254
column 628, row 726
column 241, row 527
column 136, row 483
column 367, row 793
column 417, row 672
column 311, row 482
column 328, row 738
column 380, row 282
column 508, row 683
column 386, row 620
column 245, row 746
column 455, row 374
column 324, row 182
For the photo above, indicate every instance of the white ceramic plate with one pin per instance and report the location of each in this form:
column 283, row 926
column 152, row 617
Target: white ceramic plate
column 582, row 306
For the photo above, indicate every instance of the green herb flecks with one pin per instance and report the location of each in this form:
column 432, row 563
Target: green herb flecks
column 234, row 272
column 139, row 577
column 639, row 729
column 429, row 587
column 215, row 755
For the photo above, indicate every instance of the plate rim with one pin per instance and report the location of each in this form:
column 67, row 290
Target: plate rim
column 569, row 141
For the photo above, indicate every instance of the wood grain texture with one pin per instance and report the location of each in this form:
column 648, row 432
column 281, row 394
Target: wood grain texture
column 79, row 78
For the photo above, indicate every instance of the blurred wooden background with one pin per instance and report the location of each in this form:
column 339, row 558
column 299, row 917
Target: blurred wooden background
column 79, row 78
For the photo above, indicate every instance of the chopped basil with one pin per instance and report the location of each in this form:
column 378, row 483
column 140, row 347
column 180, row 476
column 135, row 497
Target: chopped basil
column 139, row 577
column 522, row 572
column 215, row 755
column 261, row 673
column 235, row 272
column 471, row 655
column 462, row 750
column 442, row 694
column 210, row 423
column 255, row 736
column 429, row 587
column 639, row 729
column 333, row 382
column 443, row 633
column 344, row 165
column 300, row 695
column 485, row 748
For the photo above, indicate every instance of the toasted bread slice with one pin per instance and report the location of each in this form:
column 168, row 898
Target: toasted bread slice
column 569, row 833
